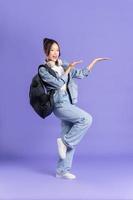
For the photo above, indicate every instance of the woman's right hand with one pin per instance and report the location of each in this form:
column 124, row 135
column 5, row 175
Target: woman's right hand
column 73, row 64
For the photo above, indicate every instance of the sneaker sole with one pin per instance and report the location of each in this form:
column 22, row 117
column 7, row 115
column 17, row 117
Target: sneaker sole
column 64, row 177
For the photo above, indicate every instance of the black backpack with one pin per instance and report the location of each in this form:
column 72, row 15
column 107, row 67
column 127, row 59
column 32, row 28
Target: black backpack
column 41, row 100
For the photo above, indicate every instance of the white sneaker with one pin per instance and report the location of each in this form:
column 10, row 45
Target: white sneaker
column 67, row 175
column 61, row 148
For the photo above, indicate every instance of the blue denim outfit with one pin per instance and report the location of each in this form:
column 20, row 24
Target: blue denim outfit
column 74, row 121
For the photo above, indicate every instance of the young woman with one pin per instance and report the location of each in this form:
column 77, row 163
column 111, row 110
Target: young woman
column 74, row 121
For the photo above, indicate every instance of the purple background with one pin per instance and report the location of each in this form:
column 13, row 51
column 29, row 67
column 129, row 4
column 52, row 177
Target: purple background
column 84, row 30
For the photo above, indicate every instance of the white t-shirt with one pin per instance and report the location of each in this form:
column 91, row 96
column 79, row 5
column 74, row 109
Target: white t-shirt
column 59, row 69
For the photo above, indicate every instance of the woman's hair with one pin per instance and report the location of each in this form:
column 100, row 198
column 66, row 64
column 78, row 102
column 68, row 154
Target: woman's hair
column 47, row 43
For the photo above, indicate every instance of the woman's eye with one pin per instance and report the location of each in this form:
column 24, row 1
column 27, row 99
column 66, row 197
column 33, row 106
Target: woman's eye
column 54, row 50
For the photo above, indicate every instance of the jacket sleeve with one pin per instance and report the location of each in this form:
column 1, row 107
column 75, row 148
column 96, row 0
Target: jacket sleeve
column 56, row 82
column 80, row 73
column 77, row 73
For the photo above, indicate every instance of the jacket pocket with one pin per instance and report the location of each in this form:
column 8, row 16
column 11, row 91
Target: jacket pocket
column 73, row 88
column 60, row 96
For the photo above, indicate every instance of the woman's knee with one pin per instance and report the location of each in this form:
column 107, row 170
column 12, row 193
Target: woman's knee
column 88, row 120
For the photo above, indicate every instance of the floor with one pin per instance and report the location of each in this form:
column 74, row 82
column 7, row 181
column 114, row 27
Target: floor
column 98, row 178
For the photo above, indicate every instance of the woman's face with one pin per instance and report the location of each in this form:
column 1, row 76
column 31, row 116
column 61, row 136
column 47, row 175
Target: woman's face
column 54, row 53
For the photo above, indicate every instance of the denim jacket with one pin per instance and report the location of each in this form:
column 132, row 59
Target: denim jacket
column 61, row 96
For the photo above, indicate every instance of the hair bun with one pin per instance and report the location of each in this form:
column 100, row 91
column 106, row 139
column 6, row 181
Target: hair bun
column 45, row 40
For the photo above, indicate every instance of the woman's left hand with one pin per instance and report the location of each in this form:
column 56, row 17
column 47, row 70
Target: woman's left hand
column 100, row 59
column 91, row 65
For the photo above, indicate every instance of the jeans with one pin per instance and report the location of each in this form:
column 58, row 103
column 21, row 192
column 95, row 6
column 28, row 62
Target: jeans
column 75, row 123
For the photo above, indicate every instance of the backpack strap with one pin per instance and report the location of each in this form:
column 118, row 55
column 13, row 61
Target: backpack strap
column 51, row 71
